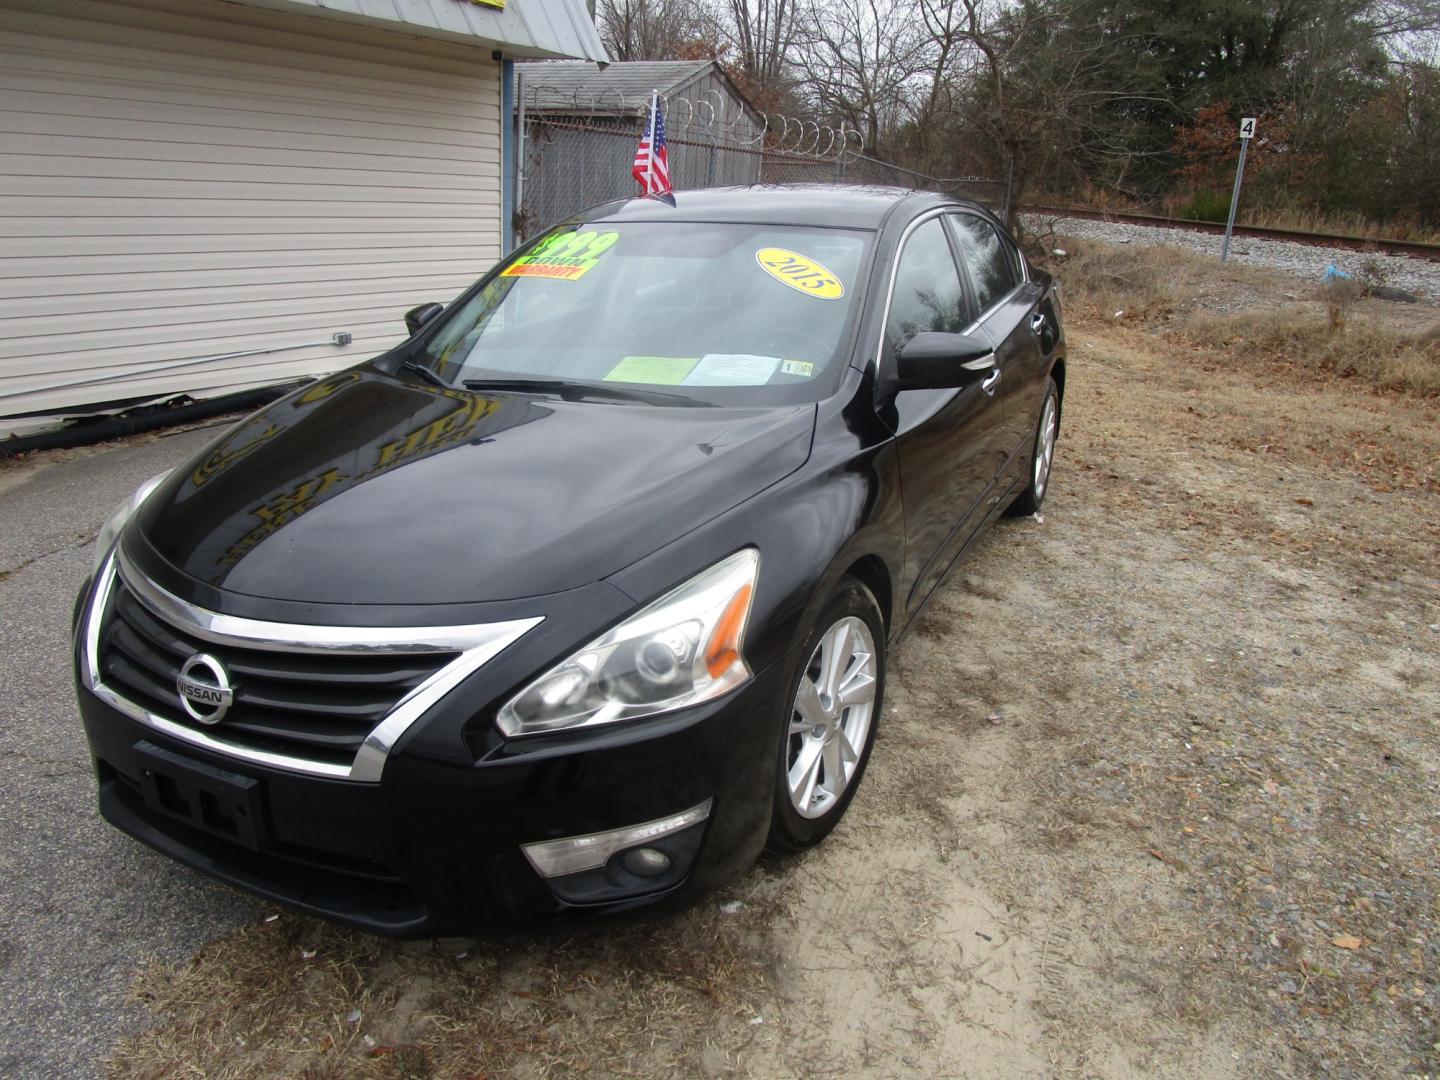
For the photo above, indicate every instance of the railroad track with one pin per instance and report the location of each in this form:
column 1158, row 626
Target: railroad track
column 1412, row 248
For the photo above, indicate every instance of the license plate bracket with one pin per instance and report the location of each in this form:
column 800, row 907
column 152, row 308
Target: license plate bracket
column 215, row 800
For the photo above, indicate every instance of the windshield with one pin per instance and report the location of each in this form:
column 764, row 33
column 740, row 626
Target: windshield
column 714, row 313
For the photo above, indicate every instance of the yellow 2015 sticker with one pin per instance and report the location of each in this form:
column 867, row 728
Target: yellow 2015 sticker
column 805, row 275
column 563, row 256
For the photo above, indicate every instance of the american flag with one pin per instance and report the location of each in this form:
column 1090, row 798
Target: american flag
column 652, row 161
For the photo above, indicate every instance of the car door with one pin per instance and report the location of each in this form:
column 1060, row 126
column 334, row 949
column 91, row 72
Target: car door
column 948, row 439
column 1011, row 318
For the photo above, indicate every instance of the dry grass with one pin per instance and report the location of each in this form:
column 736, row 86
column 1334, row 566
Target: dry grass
column 1269, row 783
column 1134, row 283
column 278, row 1000
column 1389, row 358
column 1338, row 224
column 1116, row 282
column 1328, row 334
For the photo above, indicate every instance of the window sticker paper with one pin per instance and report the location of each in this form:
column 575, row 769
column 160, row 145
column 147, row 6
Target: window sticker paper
column 656, row 370
column 564, row 256
column 797, row 367
column 800, row 273
column 732, row 369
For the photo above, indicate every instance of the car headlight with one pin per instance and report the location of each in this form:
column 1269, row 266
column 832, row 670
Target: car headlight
column 685, row 648
column 110, row 531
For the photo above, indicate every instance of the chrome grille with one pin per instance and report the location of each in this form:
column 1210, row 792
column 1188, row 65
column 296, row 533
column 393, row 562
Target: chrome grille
column 324, row 700
column 315, row 705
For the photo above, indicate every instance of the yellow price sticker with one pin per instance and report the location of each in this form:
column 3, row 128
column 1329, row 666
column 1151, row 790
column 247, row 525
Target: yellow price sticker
column 563, row 256
column 802, row 274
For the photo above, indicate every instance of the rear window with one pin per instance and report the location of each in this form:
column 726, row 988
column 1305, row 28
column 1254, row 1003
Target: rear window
column 719, row 312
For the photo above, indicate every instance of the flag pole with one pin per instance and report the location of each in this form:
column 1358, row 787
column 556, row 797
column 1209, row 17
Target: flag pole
column 654, row 111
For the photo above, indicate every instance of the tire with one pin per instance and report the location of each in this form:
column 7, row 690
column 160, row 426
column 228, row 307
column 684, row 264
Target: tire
column 1043, row 456
column 822, row 738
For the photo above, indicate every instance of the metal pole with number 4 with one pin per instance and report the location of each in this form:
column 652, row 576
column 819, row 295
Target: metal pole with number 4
column 1247, row 132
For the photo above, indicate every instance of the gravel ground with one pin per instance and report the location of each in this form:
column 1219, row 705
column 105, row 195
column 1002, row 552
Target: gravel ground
column 1304, row 261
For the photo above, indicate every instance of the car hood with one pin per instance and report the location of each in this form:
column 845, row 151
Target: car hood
column 365, row 489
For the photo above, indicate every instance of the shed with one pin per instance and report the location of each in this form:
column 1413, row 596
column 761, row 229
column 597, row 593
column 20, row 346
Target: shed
column 697, row 93
column 582, row 122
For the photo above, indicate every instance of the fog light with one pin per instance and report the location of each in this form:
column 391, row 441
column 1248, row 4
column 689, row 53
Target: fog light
column 645, row 862
column 555, row 858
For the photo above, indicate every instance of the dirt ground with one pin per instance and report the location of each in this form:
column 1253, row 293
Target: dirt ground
column 1156, row 793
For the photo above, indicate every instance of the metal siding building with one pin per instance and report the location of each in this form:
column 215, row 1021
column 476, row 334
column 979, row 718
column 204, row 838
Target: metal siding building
column 183, row 180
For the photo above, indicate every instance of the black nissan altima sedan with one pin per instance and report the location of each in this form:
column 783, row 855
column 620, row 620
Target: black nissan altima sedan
column 581, row 597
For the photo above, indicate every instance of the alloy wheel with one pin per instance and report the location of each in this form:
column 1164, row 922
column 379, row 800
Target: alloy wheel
column 830, row 722
column 1045, row 446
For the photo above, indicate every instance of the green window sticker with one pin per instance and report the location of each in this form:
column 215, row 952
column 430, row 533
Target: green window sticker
column 656, row 370
column 563, row 256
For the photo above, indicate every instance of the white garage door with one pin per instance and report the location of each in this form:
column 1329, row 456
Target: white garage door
column 186, row 179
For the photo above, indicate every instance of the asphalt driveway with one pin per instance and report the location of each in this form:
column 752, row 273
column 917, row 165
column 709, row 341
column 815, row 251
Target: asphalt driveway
column 81, row 906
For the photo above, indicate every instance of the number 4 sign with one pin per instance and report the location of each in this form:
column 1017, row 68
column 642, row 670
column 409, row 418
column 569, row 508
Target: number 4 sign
column 1247, row 132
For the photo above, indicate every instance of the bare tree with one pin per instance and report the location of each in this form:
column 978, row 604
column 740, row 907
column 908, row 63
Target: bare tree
column 762, row 34
column 857, row 61
column 1029, row 89
column 651, row 29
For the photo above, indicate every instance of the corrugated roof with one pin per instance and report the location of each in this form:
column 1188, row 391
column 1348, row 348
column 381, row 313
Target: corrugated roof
column 531, row 28
column 564, row 85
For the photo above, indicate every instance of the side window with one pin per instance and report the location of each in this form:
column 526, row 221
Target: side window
column 992, row 268
column 928, row 294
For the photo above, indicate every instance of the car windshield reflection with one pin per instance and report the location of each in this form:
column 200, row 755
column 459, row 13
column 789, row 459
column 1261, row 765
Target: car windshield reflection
column 705, row 311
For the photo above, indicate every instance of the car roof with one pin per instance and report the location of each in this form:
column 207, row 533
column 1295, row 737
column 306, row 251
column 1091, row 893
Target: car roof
column 836, row 205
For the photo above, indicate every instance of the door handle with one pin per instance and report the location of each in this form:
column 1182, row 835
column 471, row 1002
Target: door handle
column 1037, row 321
column 989, row 384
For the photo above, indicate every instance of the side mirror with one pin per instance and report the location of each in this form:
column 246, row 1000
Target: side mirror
column 933, row 361
column 417, row 317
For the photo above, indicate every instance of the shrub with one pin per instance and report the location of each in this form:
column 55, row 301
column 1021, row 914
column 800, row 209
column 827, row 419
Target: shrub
column 1129, row 282
column 1339, row 295
column 1205, row 205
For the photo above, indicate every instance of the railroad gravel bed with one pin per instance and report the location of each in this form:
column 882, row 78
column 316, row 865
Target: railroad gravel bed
column 1305, row 261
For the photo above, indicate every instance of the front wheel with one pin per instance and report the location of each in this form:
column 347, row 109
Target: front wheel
column 1029, row 500
column 829, row 726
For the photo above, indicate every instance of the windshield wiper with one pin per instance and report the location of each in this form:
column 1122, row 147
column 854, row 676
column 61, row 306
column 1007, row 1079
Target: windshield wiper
column 424, row 373
column 569, row 391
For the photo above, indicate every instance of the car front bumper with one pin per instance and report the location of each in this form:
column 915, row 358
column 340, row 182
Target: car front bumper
column 436, row 846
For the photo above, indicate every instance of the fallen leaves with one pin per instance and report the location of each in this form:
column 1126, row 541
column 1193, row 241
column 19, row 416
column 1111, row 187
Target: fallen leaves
column 1346, row 941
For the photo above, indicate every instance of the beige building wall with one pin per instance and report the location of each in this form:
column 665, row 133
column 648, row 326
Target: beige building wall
column 183, row 179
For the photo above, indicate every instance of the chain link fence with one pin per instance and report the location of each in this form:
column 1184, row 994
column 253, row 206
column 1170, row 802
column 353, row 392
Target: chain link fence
column 852, row 167
column 568, row 162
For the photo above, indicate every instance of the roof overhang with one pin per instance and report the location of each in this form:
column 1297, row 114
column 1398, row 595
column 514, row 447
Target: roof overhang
column 542, row 29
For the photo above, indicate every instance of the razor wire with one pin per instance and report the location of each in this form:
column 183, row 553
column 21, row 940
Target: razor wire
column 576, row 150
